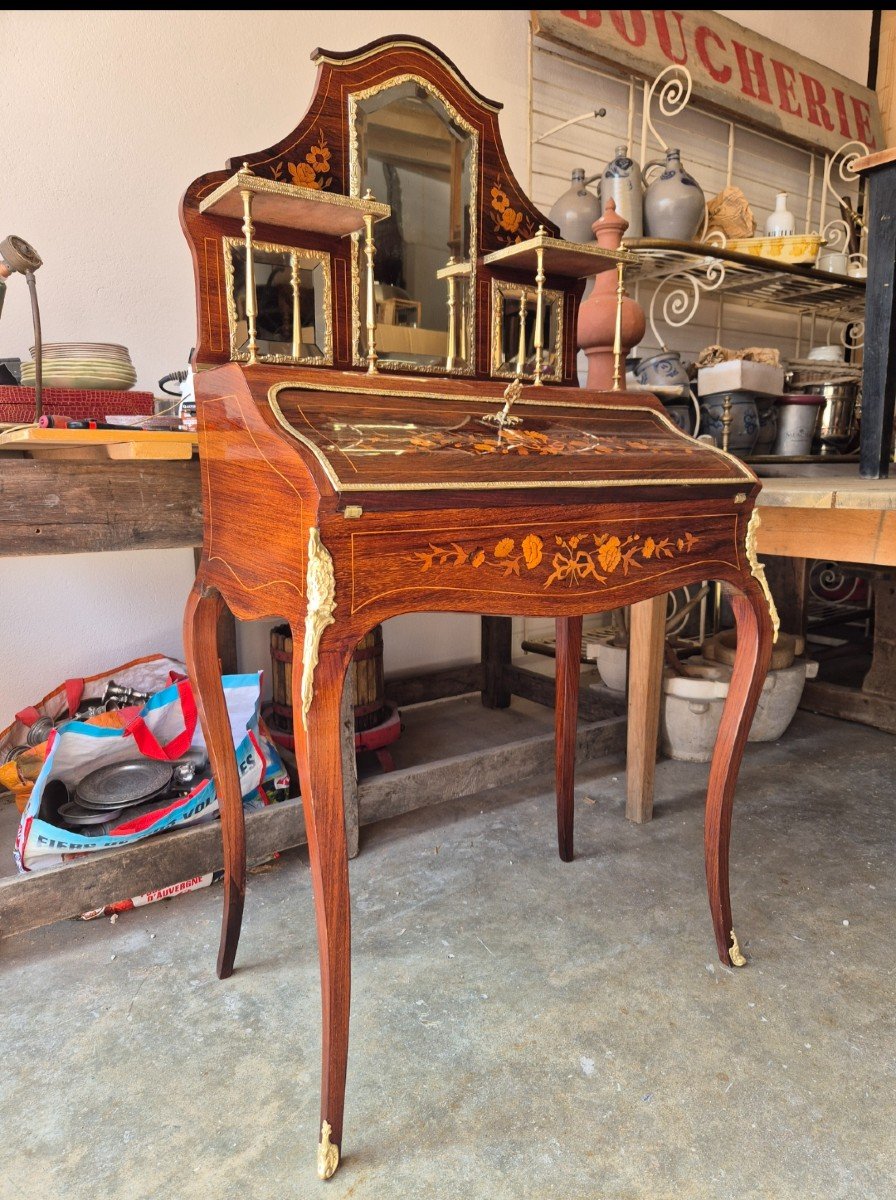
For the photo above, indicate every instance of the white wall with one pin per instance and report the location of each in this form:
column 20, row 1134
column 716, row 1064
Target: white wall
column 106, row 119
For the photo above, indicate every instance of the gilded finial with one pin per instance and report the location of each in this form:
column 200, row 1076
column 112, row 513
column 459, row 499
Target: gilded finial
column 246, row 169
column 327, row 1153
column 735, row 954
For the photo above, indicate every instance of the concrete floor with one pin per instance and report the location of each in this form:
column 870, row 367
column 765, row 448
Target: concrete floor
column 521, row 1028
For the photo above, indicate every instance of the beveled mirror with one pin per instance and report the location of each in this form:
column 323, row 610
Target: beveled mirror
column 514, row 309
column 414, row 151
column 292, row 299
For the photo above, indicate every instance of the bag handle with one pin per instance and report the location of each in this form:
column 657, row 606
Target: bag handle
column 146, row 740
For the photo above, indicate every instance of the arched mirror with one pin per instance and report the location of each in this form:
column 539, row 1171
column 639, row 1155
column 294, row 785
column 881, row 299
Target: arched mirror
column 414, row 151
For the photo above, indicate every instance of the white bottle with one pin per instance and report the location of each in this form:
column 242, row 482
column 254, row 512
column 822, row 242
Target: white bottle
column 781, row 223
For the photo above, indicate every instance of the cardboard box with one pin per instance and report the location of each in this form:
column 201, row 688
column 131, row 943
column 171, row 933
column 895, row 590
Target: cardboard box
column 740, row 376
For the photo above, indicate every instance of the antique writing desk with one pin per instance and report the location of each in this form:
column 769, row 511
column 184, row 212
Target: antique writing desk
column 355, row 467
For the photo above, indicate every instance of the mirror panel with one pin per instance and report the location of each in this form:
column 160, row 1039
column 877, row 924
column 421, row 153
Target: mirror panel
column 292, row 297
column 514, row 310
column 415, row 152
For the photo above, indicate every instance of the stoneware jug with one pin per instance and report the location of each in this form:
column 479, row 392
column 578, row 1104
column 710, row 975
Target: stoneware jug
column 597, row 314
column 621, row 183
column 674, row 205
column 576, row 210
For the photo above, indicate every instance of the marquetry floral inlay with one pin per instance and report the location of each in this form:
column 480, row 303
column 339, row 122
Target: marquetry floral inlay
column 571, row 560
column 481, row 441
column 510, row 225
column 311, row 172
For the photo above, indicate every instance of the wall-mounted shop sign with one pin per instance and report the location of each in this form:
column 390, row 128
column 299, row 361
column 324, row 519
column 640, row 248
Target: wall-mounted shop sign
column 738, row 72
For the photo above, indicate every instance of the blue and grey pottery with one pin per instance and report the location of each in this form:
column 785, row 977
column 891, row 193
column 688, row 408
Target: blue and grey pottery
column 744, row 429
column 681, row 415
column 665, row 368
column 674, row 205
column 576, row 210
column 767, row 408
column 621, row 182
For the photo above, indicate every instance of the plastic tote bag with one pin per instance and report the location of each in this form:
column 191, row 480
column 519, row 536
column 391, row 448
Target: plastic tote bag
column 165, row 728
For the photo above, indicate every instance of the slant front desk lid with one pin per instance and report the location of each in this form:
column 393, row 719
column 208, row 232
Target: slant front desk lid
column 386, row 440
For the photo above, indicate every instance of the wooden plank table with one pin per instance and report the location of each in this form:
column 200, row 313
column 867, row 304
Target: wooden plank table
column 827, row 512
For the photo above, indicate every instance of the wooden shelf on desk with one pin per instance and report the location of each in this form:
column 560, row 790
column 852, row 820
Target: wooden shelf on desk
column 292, row 207
column 576, row 260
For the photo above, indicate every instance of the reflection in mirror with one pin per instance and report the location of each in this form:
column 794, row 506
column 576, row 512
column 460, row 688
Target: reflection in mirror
column 513, row 331
column 416, row 153
column 292, row 296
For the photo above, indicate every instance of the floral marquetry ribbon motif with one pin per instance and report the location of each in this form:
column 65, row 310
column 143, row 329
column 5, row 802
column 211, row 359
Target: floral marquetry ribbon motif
column 572, row 559
column 320, row 596
column 757, row 570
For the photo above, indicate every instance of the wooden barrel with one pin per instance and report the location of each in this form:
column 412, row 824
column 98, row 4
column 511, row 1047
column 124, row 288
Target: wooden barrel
column 367, row 680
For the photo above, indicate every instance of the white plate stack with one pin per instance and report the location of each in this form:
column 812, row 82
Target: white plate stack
column 100, row 366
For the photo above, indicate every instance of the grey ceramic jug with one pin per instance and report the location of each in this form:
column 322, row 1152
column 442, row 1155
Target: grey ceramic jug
column 674, row 205
column 621, row 182
column 576, row 210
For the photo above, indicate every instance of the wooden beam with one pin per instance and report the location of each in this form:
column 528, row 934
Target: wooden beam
column 466, row 774
column 73, row 507
column 645, row 677
column 30, row 901
column 847, row 535
column 849, row 704
column 788, row 579
column 542, row 689
column 435, row 685
column 497, row 633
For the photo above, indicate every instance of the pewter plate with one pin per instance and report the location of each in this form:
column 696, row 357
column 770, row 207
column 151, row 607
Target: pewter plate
column 76, row 816
column 123, row 784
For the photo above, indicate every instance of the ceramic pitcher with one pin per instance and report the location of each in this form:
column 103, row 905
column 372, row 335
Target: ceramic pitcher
column 621, row 183
column 674, row 205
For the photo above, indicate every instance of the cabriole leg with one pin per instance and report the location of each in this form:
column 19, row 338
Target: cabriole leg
column 754, row 647
column 201, row 651
column 319, row 754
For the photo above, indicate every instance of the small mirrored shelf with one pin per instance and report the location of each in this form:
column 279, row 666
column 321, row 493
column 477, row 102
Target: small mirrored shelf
column 576, row 260
column 291, row 207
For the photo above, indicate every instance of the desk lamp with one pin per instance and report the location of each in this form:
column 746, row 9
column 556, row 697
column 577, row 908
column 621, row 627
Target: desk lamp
column 17, row 255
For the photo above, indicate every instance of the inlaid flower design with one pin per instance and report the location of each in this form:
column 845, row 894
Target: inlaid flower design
column 507, row 220
column 575, row 558
column 302, row 175
column 314, row 172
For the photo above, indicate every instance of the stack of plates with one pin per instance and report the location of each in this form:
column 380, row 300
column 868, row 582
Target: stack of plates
column 96, row 365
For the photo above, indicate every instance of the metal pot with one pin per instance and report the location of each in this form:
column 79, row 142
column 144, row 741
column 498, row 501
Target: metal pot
column 838, row 416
